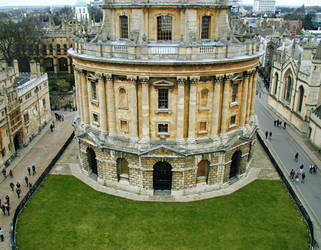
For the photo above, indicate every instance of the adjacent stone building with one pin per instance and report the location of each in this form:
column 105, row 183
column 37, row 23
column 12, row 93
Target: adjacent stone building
column 165, row 95
column 24, row 108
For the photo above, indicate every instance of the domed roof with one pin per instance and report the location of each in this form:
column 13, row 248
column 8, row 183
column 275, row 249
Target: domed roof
column 81, row 3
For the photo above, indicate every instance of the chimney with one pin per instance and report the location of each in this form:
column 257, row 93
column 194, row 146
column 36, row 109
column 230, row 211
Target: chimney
column 33, row 68
column 16, row 66
column 38, row 69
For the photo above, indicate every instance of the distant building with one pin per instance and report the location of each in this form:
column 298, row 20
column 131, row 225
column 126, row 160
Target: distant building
column 264, row 6
column 81, row 10
column 316, row 20
column 24, row 108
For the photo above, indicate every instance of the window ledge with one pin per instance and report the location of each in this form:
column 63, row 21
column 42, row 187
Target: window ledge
column 93, row 101
column 232, row 125
column 163, row 111
column 202, row 132
column 96, row 124
column 203, row 108
column 162, row 134
column 232, row 104
column 123, row 107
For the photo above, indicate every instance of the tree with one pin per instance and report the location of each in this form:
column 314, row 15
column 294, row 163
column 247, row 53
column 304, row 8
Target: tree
column 95, row 13
column 18, row 41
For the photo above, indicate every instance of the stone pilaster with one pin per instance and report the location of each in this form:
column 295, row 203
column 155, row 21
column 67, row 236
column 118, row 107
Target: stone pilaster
column 85, row 104
column 102, row 102
column 218, row 80
column 246, row 76
column 226, row 101
column 192, row 108
column 111, row 105
column 77, row 73
column 145, row 108
column 248, row 105
column 180, row 109
column 133, row 121
column 253, row 94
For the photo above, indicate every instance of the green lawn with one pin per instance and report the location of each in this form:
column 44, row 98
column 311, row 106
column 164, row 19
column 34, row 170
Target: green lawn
column 67, row 214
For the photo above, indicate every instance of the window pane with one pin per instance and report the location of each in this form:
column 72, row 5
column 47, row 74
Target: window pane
column 163, row 98
column 205, row 27
column 123, row 26
column 163, row 128
column 164, row 28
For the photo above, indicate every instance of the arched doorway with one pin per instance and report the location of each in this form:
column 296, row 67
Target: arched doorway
column 63, row 64
column 17, row 140
column 49, row 66
column 235, row 164
column 92, row 162
column 122, row 169
column 162, row 176
column 202, row 171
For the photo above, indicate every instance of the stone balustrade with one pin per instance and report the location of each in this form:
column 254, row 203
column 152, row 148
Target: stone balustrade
column 32, row 83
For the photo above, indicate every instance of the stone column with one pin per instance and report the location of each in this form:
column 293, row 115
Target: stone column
column 226, row 101
column 244, row 97
column 145, row 108
column 192, row 108
column 69, row 64
column 216, row 105
column 180, row 108
column 248, row 105
column 253, row 94
column 102, row 102
column 111, row 105
column 78, row 92
column 132, row 94
column 85, row 105
column 55, row 62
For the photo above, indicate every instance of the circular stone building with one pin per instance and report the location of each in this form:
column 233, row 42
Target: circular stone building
column 165, row 96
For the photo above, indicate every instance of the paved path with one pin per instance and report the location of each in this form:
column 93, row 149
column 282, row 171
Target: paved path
column 285, row 143
column 39, row 152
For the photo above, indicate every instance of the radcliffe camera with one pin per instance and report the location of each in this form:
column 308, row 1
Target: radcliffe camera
column 160, row 124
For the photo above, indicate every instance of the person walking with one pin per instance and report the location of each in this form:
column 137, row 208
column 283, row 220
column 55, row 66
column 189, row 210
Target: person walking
column 311, row 169
column 11, row 173
column 302, row 178
column 1, row 235
column 18, row 185
column 3, row 209
column 30, row 185
column 8, row 209
column 270, row 134
column 297, row 178
column 301, row 169
column 4, row 173
column 26, row 180
column 29, row 170
column 51, row 127
column 296, row 156
column 266, row 134
column 8, row 199
column 33, row 169
column 284, row 125
column 277, row 122
column 11, row 186
column 292, row 173
column 18, row 192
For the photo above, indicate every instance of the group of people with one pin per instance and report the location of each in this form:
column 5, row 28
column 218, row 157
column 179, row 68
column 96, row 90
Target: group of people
column 278, row 123
column 295, row 176
column 4, row 173
column 59, row 117
column 268, row 135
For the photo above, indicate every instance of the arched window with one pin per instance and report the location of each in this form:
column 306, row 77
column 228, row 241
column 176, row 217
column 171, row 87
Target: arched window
column 123, row 25
column 276, row 81
column 164, row 28
column 204, row 98
column 58, row 49
column 288, row 89
column 50, row 49
column 206, row 20
column 44, row 49
column 301, row 95
column 202, row 171
column 65, row 48
column 122, row 98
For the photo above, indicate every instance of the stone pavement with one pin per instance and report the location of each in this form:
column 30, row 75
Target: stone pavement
column 283, row 145
column 69, row 164
column 39, row 152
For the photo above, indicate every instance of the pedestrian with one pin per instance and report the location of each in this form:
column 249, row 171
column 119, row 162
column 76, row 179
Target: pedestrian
column 51, row 127
column 266, row 134
column 301, row 168
column 1, row 234
column 11, row 186
column 302, row 178
column 62, row 118
column 11, row 173
column 297, row 177
column 18, row 192
column 284, row 125
column 4, row 172
column 8, row 199
column 18, row 185
column 270, row 134
column 277, row 122
column 33, row 169
column 29, row 170
column 274, row 123
column 3, row 209
column 311, row 169
column 26, row 180
column 8, row 209
column 315, row 168
column 296, row 156
column 292, row 173
column 30, row 185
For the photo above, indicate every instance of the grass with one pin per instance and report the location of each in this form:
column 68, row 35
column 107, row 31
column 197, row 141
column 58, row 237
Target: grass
column 67, row 214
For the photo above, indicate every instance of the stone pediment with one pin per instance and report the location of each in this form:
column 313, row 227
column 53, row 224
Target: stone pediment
column 162, row 151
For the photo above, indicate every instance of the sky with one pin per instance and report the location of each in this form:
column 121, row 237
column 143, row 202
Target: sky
column 71, row 2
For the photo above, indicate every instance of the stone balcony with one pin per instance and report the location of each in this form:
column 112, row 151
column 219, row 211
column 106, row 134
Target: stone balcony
column 214, row 51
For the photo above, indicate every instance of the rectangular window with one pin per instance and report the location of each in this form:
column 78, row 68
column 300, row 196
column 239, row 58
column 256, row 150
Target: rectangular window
column 43, row 102
column 95, row 119
column 232, row 120
column 203, row 126
column 123, row 20
column 124, row 126
column 163, row 98
column 164, row 28
column 163, row 128
column 206, row 20
column 93, row 91
column 234, row 92
column 26, row 117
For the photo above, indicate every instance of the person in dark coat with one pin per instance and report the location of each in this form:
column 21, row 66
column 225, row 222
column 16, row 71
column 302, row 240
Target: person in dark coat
column 11, row 173
column 30, row 185
column 33, row 169
column 18, row 185
column 29, row 170
column 284, row 125
column 26, row 180
column 270, row 134
column 296, row 156
column 4, row 172
column 18, row 192
column 8, row 199
column 266, row 134
column 3, row 209
column 8, row 209
column 11, row 186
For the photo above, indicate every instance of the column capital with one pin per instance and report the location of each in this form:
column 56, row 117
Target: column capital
column 78, row 70
column 144, row 79
column 228, row 77
column 108, row 77
column 218, row 78
column 132, row 78
column 194, row 79
column 92, row 77
column 181, row 79
column 99, row 75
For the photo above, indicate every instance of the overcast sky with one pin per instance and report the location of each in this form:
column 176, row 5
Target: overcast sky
column 71, row 2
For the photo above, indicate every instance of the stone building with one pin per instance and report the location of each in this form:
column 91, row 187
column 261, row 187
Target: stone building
column 24, row 108
column 165, row 95
column 295, row 83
